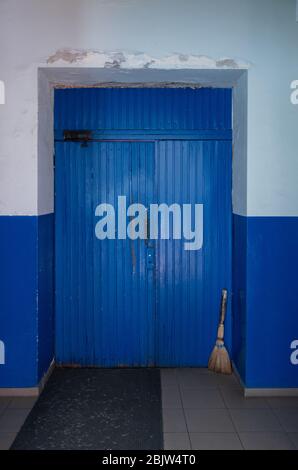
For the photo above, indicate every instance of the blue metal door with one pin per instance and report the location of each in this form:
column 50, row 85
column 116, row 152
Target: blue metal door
column 104, row 288
column 141, row 302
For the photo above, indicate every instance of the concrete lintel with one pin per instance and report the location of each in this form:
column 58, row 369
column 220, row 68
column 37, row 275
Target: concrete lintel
column 92, row 76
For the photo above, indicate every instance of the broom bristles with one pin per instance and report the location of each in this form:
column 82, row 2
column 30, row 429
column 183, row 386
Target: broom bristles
column 219, row 360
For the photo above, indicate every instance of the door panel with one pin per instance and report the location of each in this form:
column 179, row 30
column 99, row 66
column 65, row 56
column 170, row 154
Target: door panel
column 104, row 291
column 190, row 282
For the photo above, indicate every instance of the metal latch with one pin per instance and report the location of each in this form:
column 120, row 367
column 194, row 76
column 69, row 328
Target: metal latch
column 83, row 136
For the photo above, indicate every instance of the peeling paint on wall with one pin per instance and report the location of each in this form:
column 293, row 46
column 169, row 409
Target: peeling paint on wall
column 67, row 56
column 130, row 60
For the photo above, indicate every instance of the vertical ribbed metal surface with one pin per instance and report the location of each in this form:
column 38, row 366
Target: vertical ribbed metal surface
column 190, row 282
column 143, row 109
column 111, row 308
column 104, row 302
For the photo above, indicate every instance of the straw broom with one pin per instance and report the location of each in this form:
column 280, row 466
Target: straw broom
column 219, row 360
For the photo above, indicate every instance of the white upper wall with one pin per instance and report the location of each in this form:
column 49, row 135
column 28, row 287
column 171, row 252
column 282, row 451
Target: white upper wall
column 262, row 33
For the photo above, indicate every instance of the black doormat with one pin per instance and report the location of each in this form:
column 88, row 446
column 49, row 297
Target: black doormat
column 111, row 409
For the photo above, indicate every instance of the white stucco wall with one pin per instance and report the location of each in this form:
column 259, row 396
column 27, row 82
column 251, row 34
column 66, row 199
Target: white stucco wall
column 259, row 34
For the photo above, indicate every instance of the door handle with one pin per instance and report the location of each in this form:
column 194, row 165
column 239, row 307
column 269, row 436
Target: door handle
column 150, row 257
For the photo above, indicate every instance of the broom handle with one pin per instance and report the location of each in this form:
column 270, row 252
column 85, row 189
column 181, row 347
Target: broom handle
column 223, row 307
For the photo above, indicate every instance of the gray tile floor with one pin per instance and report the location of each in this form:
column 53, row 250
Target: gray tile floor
column 13, row 412
column 203, row 410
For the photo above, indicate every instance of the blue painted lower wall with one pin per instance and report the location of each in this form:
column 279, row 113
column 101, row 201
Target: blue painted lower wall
column 265, row 307
column 18, row 300
column 26, row 299
column 265, row 300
